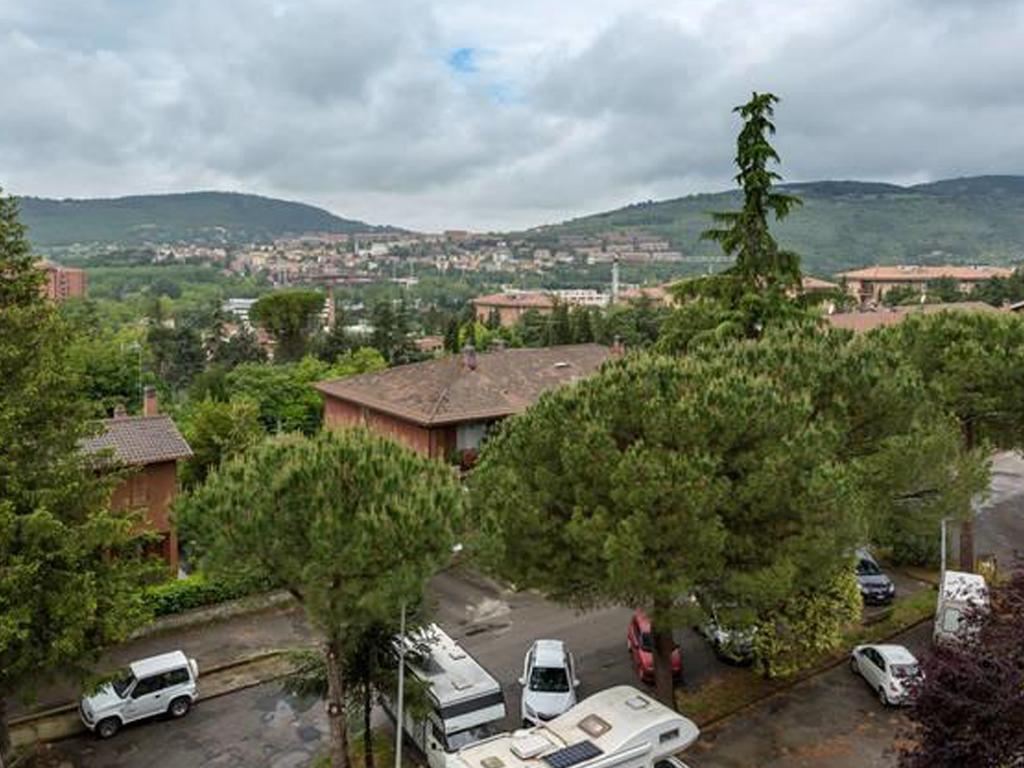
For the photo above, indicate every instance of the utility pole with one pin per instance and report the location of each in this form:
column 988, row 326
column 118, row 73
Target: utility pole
column 401, row 691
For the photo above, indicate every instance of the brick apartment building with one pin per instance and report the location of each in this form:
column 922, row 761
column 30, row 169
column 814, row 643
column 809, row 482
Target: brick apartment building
column 870, row 285
column 63, row 283
column 150, row 447
column 443, row 408
column 512, row 305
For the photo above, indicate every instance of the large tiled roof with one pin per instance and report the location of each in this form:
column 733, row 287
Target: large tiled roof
column 866, row 321
column 448, row 391
column 528, row 299
column 916, row 273
column 137, row 440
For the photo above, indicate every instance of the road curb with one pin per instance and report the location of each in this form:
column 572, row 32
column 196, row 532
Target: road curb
column 62, row 722
column 720, row 720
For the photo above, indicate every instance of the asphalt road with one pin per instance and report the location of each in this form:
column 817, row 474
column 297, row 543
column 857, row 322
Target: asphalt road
column 264, row 727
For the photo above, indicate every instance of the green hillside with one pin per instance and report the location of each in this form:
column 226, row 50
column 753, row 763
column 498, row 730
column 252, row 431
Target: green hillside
column 196, row 217
column 845, row 224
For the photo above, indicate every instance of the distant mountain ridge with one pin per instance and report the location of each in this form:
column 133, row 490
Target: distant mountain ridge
column 192, row 217
column 847, row 224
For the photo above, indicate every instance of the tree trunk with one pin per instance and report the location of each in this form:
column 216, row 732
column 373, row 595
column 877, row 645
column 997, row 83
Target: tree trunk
column 663, row 647
column 336, row 705
column 967, row 526
column 5, row 734
column 367, row 725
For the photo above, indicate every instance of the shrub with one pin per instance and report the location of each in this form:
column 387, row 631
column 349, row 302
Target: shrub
column 197, row 590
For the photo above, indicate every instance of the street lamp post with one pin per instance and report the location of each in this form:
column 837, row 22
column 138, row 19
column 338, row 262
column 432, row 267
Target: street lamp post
column 942, row 566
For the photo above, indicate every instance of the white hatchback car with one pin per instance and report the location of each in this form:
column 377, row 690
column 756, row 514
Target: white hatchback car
column 891, row 670
column 154, row 686
column 549, row 681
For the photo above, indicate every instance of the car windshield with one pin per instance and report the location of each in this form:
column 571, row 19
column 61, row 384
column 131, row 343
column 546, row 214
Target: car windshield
column 905, row 670
column 646, row 642
column 456, row 741
column 549, row 680
column 122, row 684
column 867, row 568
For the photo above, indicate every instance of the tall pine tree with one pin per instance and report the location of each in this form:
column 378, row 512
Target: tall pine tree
column 68, row 578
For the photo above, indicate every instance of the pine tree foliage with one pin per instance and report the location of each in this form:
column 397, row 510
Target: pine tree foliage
column 749, row 471
column 350, row 523
column 69, row 579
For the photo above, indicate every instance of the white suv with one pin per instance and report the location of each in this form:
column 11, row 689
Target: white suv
column 549, row 682
column 153, row 686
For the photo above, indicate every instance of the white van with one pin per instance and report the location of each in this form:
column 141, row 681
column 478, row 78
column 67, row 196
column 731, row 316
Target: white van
column 164, row 684
column 466, row 702
column 616, row 728
column 959, row 593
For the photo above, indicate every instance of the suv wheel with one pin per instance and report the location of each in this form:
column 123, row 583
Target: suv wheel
column 180, row 706
column 108, row 727
column 882, row 697
column 853, row 665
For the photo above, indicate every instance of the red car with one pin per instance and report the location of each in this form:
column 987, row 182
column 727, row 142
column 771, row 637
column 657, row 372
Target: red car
column 641, row 650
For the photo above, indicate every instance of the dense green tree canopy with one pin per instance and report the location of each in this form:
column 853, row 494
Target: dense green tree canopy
column 351, row 523
column 69, row 583
column 289, row 316
column 746, row 470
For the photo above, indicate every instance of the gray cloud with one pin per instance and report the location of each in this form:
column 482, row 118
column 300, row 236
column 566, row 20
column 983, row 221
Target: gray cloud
column 354, row 105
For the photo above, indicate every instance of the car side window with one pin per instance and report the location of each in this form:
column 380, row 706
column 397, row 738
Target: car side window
column 176, row 677
column 148, row 685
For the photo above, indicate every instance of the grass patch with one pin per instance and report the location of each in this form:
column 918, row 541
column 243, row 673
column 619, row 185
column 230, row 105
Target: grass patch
column 736, row 688
column 383, row 752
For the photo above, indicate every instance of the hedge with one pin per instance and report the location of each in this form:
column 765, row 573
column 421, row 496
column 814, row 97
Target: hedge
column 197, row 590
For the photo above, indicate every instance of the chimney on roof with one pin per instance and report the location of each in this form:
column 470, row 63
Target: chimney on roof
column 149, row 406
column 120, row 411
column 469, row 356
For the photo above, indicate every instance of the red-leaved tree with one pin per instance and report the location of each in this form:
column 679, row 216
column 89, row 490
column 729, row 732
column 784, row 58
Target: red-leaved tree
column 970, row 705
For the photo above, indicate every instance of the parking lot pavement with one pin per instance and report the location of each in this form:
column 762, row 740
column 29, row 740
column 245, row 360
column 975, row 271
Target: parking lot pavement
column 498, row 626
column 259, row 727
column 832, row 720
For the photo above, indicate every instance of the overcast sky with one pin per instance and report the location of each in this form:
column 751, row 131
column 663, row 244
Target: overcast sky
column 486, row 114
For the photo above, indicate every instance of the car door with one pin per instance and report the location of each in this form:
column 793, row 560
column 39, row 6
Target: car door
column 147, row 699
column 875, row 667
column 633, row 638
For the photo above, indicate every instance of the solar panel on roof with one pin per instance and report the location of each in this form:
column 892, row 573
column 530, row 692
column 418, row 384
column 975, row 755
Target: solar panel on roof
column 573, row 754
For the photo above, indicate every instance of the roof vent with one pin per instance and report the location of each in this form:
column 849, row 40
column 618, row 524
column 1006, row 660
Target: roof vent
column 637, row 702
column 460, row 683
column 562, row 364
column 469, row 356
column 528, row 745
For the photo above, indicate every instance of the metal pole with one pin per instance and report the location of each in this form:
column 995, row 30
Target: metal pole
column 401, row 684
column 942, row 571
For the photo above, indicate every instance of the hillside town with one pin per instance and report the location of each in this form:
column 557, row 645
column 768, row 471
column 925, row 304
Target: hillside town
column 447, row 385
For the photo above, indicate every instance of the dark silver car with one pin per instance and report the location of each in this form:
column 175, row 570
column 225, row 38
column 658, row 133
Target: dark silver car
column 875, row 587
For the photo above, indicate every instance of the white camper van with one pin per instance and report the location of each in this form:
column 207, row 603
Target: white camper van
column 466, row 702
column 617, row 728
column 959, row 593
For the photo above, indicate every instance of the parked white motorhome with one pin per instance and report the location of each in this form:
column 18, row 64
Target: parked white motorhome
column 959, row 593
column 617, row 728
column 466, row 702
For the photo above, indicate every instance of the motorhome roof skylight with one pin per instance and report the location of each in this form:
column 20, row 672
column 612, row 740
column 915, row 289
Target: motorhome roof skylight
column 594, row 726
column 573, row 754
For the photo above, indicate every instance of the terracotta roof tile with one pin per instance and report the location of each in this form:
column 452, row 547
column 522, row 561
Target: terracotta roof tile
column 535, row 299
column 447, row 391
column 866, row 321
column 907, row 273
column 139, row 440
